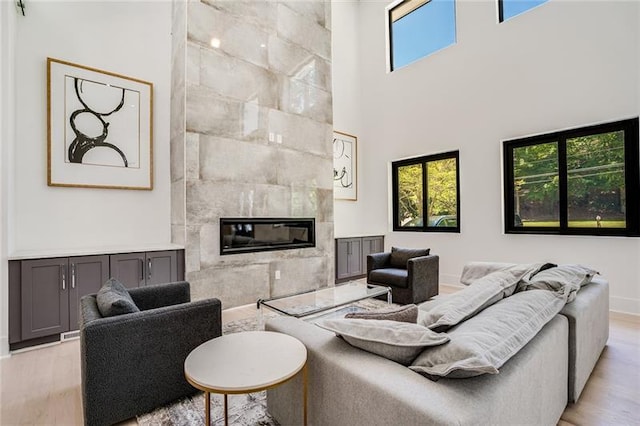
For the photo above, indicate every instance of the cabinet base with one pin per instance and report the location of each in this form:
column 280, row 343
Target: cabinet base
column 34, row 342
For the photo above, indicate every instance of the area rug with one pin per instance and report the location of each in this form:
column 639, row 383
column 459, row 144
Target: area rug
column 245, row 410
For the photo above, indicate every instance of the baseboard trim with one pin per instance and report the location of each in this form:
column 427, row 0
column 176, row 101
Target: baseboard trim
column 624, row 316
column 625, row 305
column 4, row 347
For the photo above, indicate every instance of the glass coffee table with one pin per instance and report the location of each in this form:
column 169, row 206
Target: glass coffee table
column 316, row 303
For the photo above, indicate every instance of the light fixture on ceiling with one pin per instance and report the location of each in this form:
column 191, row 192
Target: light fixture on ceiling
column 215, row 43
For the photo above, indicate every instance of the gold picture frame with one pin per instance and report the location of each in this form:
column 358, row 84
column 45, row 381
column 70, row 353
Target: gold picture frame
column 99, row 128
column 345, row 166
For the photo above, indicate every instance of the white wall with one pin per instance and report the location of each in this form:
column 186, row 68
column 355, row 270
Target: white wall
column 129, row 38
column 346, row 105
column 7, row 39
column 564, row 64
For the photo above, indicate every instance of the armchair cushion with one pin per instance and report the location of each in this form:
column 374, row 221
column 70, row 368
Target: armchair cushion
column 400, row 256
column 394, row 277
column 114, row 299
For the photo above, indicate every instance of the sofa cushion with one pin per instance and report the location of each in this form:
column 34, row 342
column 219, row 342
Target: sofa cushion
column 398, row 341
column 407, row 313
column 400, row 256
column 454, row 308
column 390, row 276
column 114, row 299
column 483, row 344
column 564, row 280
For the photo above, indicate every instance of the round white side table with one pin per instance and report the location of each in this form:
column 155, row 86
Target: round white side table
column 245, row 362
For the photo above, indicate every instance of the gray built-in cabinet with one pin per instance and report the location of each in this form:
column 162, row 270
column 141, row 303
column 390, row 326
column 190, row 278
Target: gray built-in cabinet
column 351, row 256
column 44, row 294
column 140, row 269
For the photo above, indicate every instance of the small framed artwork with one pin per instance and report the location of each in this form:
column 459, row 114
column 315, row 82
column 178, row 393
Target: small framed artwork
column 99, row 126
column 345, row 173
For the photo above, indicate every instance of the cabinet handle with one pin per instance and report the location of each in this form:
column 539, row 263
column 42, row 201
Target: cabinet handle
column 149, row 263
column 64, row 277
column 141, row 270
column 73, row 275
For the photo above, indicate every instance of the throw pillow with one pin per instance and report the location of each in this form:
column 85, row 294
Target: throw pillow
column 398, row 341
column 114, row 299
column 475, row 270
column 400, row 256
column 477, row 296
column 407, row 313
column 483, row 344
column 564, row 280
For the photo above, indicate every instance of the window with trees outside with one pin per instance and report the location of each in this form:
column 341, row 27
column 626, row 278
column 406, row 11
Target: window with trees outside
column 583, row 181
column 418, row 28
column 426, row 193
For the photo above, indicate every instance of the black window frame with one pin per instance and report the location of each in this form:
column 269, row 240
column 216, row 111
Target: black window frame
column 632, row 180
column 425, row 191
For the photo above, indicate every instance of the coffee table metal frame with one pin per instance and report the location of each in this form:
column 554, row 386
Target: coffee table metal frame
column 193, row 369
column 326, row 299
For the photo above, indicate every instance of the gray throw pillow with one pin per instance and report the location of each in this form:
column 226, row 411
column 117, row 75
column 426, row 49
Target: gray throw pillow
column 114, row 299
column 455, row 308
column 407, row 313
column 398, row 341
column 400, row 256
column 483, row 344
column 475, row 270
column 564, row 280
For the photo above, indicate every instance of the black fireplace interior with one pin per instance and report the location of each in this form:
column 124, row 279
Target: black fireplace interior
column 241, row 235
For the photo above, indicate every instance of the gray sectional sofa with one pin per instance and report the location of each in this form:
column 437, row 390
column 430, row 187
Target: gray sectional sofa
column 349, row 386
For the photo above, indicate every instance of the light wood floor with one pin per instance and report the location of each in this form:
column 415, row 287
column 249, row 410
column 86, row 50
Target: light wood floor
column 42, row 386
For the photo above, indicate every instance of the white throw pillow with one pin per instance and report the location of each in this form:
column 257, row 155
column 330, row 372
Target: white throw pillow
column 398, row 341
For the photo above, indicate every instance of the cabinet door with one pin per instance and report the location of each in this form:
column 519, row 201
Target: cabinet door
column 161, row 267
column 355, row 257
column 88, row 273
column 371, row 245
column 128, row 268
column 44, row 297
column 342, row 258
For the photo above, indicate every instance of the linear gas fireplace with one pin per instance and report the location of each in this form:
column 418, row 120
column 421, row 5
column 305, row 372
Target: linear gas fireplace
column 242, row 235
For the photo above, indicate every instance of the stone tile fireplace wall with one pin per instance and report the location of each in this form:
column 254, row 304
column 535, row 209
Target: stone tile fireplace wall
column 251, row 137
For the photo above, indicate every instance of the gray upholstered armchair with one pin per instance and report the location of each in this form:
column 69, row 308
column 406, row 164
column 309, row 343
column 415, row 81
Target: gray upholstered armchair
column 412, row 274
column 133, row 363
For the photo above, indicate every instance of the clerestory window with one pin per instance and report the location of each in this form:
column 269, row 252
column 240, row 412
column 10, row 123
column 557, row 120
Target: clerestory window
column 418, row 28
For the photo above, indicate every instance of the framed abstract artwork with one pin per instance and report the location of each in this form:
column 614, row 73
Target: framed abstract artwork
column 345, row 173
column 99, row 126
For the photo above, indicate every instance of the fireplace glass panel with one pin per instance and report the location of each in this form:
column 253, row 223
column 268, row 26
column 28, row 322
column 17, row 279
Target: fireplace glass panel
column 263, row 234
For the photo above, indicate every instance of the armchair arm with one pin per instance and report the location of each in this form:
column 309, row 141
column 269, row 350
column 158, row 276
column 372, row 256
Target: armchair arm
column 140, row 354
column 377, row 261
column 423, row 275
column 156, row 296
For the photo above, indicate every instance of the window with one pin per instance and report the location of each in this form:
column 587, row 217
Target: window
column 577, row 182
column 426, row 184
column 510, row 8
column 418, row 28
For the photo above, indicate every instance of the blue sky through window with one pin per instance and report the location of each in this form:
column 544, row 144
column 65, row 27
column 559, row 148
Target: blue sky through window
column 511, row 8
column 427, row 29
